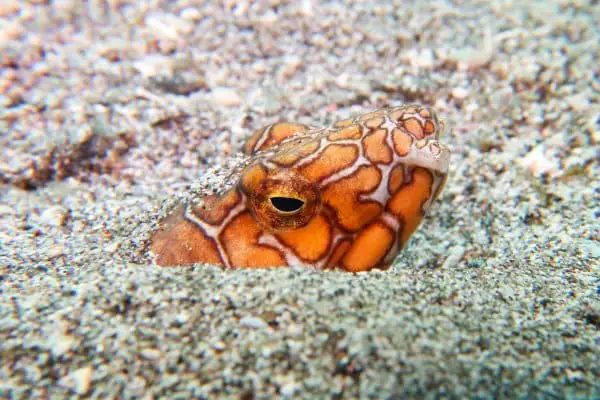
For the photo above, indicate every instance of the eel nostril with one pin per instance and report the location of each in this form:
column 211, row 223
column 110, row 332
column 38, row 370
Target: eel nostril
column 286, row 204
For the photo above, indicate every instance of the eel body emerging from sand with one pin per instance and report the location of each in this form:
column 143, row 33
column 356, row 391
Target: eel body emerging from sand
column 346, row 196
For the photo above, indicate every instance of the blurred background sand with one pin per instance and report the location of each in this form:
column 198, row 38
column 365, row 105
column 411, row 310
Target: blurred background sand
column 108, row 107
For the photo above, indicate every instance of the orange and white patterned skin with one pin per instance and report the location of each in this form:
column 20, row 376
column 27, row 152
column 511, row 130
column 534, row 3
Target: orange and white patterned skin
column 346, row 196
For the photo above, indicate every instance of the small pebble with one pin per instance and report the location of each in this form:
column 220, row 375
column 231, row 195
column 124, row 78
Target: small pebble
column 575, row 375
column 154, row 64
column 56, row 251
column 61, row 343
column 151, row 354
column 538, row 163
column 78, row 226
column 291, row 65
column 219, row 346
column 227, row 97
column 459, row 93
column 182, row 318
column 191, row 14
column 295, row 330
column 454, row 256
column 289, row 389
column 253, row 323
column 259, row 67
column 53, row 216
column 112, row 248
column 79, row 380
column 160, row 24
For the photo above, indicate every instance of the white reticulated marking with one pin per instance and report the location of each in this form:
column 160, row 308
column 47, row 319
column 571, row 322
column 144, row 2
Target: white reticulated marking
column 334, row 242
column 214, row 231
column 421, row 157
column 393, row 224
column 263, row 138
column 360, row 161
column 437, row 181
column 290, row 258
column 390, row 221
column 381, row 194
column 314, row 155
column 270, row 164
column 293, row 260
column 425, row 158
column 389, row 125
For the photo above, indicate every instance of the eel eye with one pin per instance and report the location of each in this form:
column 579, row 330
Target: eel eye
column 279, row 200
column 286, row 205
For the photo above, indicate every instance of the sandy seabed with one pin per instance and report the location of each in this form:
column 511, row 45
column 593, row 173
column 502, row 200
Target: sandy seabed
column 109, row 107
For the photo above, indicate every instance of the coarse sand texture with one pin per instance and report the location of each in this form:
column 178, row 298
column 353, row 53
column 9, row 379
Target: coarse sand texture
column 112, row 112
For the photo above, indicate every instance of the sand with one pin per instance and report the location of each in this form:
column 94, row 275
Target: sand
column 109, row 108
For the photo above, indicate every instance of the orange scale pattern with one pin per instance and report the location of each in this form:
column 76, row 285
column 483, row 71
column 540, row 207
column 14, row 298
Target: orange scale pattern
column 347, row 196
